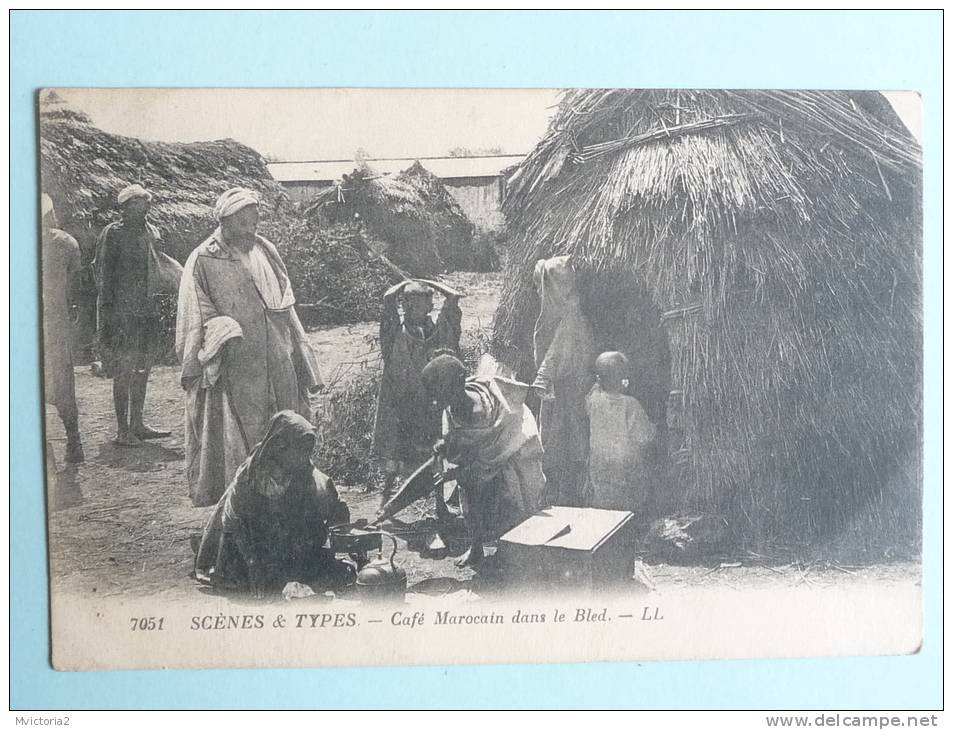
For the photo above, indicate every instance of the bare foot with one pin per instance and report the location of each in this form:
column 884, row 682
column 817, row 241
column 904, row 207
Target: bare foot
column 471, row 558
column 144, row 432
column 128, row 440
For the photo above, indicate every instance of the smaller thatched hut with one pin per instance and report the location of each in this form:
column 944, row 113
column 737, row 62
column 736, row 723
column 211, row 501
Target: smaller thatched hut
column 757, row 255
column 424, row 229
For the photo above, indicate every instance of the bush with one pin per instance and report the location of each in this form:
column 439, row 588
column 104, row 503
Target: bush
column 334, row 277
column 345, row 419
column 345, row 422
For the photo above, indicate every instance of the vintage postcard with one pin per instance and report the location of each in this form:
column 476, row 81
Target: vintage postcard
column 430, row 376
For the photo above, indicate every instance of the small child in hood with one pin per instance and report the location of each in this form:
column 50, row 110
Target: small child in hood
column 619, row 432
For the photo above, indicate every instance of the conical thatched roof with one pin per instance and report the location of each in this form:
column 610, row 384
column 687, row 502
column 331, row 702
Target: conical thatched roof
column 425, row 229
column 772, row 243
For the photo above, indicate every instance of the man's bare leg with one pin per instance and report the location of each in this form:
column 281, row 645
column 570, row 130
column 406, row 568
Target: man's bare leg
column 391, row 472
column 74, row 445
column 139, row 381
column 121, row 384
column 440, row 504
column 474, row 517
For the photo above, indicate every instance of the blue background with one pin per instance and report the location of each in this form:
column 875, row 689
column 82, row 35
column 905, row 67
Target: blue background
column 732, row 49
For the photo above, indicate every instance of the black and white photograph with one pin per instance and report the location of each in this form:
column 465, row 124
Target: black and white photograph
column 418, row 376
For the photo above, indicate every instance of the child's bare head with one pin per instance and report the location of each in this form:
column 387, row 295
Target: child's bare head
column 612, row 369
column 444, row 379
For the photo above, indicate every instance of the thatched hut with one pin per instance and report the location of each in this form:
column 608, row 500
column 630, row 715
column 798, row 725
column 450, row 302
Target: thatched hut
column 83, row 168
column 424, row 228
column 757, row 255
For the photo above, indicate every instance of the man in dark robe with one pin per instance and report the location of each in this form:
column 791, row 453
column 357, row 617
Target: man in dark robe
column 128, row 277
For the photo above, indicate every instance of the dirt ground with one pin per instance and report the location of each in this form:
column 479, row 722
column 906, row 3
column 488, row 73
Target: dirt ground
column 120, row 523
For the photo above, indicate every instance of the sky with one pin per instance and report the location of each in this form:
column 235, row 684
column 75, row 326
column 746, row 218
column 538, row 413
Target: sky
column 323, row 124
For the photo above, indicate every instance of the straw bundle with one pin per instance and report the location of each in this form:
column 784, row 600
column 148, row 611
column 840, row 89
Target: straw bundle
column 424, row 229
column 758, row 255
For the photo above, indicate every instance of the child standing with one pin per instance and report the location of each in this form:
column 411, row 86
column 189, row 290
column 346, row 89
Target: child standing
column 619, row 431
column 406, row 425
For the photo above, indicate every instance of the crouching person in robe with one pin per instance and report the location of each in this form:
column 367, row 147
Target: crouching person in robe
column 272, row 524
column 491, row 435
column 242, row 347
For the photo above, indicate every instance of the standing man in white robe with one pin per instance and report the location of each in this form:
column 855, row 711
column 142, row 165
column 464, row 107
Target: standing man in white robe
column 242, row 347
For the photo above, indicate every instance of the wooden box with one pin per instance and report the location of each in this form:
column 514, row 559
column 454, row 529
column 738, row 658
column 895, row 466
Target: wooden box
column 570, row 547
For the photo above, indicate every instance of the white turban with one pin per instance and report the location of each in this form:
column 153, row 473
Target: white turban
column 232, row 201
column 133, row 191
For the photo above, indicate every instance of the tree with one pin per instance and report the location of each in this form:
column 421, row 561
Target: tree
column 361, row 156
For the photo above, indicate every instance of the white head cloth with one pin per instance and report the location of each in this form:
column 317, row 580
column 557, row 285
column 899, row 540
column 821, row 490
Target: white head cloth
column 133, row 191
column 232, row 201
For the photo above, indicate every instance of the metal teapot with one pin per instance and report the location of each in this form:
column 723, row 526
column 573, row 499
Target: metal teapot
column 382, row 579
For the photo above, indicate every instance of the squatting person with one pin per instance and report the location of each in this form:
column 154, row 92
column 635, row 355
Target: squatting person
column 271, row 524
column 491, row 435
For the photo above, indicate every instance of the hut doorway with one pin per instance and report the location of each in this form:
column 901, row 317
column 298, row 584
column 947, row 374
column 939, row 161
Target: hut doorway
column 624, row 317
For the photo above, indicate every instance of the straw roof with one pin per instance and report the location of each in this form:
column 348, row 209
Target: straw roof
column 775, row 237
column 83, row 168
column 425, row 229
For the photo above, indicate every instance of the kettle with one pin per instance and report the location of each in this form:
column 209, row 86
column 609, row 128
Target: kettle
column 382, row 579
